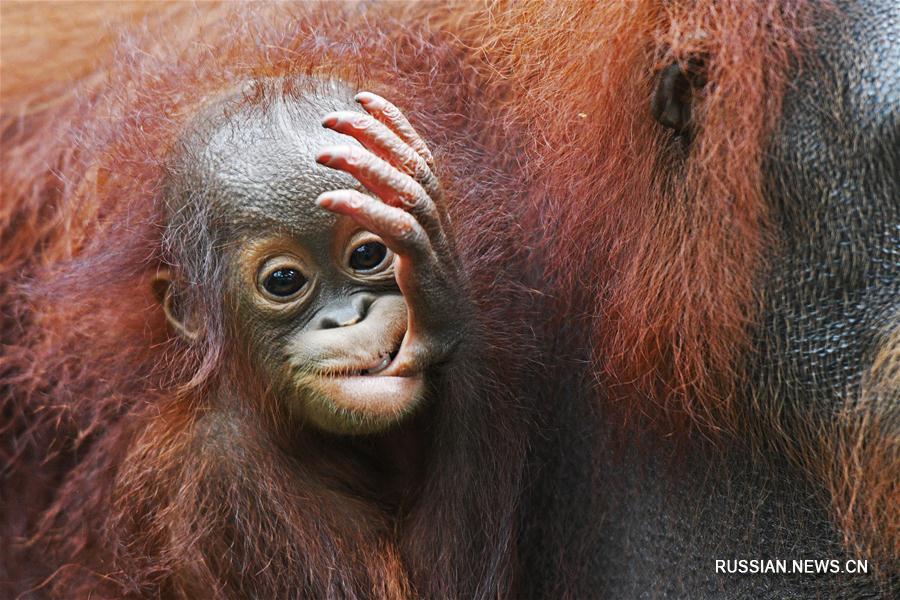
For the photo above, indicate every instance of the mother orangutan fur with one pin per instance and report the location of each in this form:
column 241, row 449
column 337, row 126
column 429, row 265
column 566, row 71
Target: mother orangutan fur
column 678, row 237
column 574, row 210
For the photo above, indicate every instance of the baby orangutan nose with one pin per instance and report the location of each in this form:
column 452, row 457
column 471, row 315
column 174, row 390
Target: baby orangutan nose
column 343, row 314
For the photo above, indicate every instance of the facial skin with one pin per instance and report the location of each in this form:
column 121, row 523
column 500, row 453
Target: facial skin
column 344, row 289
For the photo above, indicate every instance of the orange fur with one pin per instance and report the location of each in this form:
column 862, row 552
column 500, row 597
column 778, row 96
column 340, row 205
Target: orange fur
column 859, row 459
column 655, row 252
column 668, row 281
column 110, row 420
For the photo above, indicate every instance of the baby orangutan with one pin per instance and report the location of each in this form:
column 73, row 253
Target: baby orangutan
column 343, row 291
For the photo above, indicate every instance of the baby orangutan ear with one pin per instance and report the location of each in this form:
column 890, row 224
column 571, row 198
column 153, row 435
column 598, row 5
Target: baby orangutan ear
column 164, row 291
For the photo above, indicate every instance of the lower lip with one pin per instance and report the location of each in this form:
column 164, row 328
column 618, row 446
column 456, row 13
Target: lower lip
column 376, row 395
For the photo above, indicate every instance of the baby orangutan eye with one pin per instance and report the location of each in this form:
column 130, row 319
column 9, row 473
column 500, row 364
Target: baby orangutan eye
column 281, row 281
column 368, row 256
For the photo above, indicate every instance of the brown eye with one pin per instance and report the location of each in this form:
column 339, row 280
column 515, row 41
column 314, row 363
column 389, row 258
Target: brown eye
column 284, row 282
column 368, row 256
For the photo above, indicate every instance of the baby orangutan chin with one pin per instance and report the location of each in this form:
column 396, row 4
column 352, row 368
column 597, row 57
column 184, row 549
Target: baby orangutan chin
column 340, row 293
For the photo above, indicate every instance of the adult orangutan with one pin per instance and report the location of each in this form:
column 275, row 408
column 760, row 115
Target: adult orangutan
column 655, row 339
column 717, row 183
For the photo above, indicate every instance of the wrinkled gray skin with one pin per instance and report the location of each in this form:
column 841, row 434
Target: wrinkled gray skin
column 652, row 526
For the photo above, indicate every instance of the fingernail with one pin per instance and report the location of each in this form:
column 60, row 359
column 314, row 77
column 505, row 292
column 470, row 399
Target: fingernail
column 331, row 156
column 368, row 99
column 324, row 201
column 329, row 121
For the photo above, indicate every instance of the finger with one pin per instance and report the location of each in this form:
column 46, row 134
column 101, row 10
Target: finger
column 429, row 336
column 399, row 230
column 390, row 185
column 385, row 144
column 416, row 354
column 391, row 116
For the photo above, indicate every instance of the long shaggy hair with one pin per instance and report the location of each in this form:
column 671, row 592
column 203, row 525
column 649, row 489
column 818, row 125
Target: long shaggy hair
column 572, row 208
column 664, row 245
column 658, row 248
column 136, row 481
column 672, row 237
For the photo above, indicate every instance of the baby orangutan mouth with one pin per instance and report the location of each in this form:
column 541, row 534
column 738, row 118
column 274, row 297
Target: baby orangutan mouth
column 357, row 378
column 381, row 363
column 367, row 388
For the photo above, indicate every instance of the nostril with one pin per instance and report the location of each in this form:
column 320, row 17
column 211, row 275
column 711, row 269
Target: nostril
column 328, row 322
column 341, row 317
column 362, row 303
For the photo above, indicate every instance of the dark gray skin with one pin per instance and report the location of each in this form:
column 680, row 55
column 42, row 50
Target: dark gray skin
column 342, row 284
column 651, row 526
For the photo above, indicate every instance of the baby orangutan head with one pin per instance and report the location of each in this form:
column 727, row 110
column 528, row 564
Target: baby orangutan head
column 340, row 284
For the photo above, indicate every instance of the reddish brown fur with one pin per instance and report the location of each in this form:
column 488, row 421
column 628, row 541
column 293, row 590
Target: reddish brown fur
column 667, row 284
column 151, row 490
column 858, row 457
column 670, row 280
